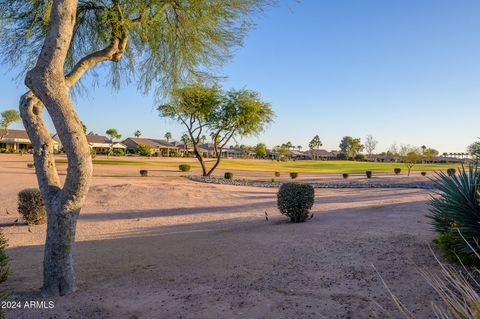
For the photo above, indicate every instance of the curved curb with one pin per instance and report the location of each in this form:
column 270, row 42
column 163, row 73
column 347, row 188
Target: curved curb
column 264, row 184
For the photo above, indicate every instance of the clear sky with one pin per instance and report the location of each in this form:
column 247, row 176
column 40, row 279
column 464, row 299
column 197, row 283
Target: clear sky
column 405, row 71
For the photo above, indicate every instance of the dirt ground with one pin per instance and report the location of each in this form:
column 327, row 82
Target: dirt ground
column 166, row 247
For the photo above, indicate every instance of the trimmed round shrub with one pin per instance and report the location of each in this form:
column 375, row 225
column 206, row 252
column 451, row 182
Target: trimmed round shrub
column 295, row 200
column 451, row 171
column 184, row 167
column 397, row 170
column 30, row 165
column 31, row 206
column 424, row 173
column 228, row 175
column 345, row 175
column 277, row 174
column 293, row 175
column 369, row 174
column 143, row 172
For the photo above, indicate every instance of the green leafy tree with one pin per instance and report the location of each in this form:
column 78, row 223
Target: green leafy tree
column 193, row 107
column 241, row 113
column 429, row 153
column 113, row 135
column 166, row 43
column 168, row 136
column 474, row 150
column 280, row 151
column 8, row 117
column 144, row 150
column 261, row 150
column 410, row 159
column 314, row 144
column 408, row 154
column 351, row 146
column 225, row 115
column 137, row 133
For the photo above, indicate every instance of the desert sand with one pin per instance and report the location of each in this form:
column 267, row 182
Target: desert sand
column 166, row 247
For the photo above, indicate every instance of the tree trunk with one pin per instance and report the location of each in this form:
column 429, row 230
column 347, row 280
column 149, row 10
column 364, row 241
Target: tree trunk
column 58, row 272
column 49, row 87
column 200, row 159
column 219, row 158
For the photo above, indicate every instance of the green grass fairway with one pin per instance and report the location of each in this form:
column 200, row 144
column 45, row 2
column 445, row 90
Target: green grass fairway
column 291, row 166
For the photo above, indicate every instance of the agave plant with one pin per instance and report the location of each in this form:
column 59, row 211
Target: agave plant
column 455, row 206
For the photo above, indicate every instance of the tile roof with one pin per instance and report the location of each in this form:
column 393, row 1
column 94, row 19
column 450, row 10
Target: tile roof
column 15, row 134
column 321, row 153
column 154, row 143
column 100, row 139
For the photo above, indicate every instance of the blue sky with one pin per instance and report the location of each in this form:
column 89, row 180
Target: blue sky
column 405, row 71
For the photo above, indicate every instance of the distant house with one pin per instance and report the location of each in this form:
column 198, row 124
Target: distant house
column 448, row 159
column 159, row 147
column 321, row 154
column 18, row 141
column 293, row 154
column 237, row 152
column 101, row 144
column 380, row 158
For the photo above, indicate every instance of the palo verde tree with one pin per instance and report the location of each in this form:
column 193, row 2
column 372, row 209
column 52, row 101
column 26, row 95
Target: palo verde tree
column 193, row 106
column 236, row 113
column 8, row 117
column 158, row 42
column 260, row 150
column 242, row 113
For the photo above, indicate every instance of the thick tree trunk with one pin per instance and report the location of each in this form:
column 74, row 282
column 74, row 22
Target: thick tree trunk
column 58, row 272
column 48, row 85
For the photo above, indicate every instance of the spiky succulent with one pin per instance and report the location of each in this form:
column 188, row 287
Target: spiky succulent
column 455, row 206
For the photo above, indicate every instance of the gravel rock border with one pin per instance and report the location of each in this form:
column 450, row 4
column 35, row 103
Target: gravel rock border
column 348, row 184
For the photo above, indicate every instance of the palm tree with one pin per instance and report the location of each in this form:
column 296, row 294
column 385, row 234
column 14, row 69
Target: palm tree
column 168, row 136
column 137, row 133
column 185, row 139
column 7, row 118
